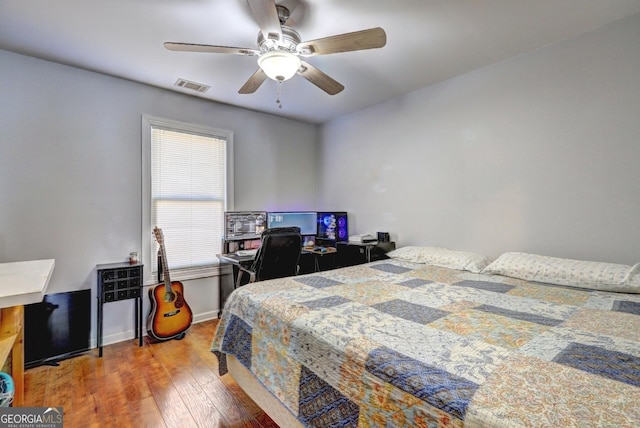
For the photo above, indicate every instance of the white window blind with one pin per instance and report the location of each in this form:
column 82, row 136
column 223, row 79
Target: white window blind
column 188, row 186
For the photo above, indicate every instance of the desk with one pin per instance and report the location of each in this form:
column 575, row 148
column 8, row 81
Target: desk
column 319, row 254
column 355, row 253
column 235, row 261
column 21, row 283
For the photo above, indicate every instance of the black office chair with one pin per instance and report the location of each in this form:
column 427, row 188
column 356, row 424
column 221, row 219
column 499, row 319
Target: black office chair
column 277, row 257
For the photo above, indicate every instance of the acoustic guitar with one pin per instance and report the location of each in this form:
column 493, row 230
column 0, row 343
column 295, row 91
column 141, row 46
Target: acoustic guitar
column 170, row 316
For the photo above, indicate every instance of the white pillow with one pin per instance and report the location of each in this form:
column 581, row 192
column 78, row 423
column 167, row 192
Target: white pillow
column 443, row 257
column 574, row 273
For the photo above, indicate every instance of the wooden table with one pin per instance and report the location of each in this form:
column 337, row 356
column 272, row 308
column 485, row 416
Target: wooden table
column 320, row 252
column 21, row 283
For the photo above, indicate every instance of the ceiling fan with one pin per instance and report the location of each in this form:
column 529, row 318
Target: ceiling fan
column 280, row 49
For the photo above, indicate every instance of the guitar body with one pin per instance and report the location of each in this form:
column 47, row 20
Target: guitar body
column 170, row 315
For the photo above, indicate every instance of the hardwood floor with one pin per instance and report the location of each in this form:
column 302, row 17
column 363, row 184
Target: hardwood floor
column 168, row 384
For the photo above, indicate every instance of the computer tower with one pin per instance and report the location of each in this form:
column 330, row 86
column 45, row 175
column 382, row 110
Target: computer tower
column 333, row 226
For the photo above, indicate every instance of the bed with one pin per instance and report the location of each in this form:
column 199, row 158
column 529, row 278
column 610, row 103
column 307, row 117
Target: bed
column 424, row 340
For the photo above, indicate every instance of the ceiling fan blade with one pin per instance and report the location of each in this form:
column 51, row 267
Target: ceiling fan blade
column 192, row 47
column 320, row 79
column 266, row 15
column 347, row 42
column 254, row 82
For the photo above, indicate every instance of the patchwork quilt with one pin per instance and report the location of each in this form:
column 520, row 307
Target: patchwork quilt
column 397, row 344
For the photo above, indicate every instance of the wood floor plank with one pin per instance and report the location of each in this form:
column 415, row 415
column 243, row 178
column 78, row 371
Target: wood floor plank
column 35, row 385
column 168, row 400
column 145, row 413
column 167, row 384
column 235, row 412
column 84, row 412
column 201, row 406
column 181, row 364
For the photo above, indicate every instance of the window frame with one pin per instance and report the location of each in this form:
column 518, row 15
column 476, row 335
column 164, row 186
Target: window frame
column 148, row 122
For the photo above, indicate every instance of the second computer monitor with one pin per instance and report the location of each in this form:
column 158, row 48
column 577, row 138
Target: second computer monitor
column 305, row 220
column 244, row 225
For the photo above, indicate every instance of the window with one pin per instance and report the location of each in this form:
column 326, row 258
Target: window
column 186, row 190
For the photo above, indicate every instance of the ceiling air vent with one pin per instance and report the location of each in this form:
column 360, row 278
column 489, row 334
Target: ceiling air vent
column 199, row 87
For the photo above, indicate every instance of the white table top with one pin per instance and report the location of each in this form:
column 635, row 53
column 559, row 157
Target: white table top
column 22, row 283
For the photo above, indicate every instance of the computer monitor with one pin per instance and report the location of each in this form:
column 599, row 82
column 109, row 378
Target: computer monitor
column 332, row 226
column 305, row 220
column 244, row 225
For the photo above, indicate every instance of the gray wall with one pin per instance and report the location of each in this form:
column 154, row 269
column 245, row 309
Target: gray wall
column 537, row 153
column 70, row 171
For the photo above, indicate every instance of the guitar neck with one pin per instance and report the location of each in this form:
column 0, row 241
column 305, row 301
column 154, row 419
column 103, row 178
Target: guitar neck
column 165, row 268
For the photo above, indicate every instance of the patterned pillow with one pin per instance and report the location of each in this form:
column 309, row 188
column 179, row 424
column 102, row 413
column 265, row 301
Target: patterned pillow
column 569, row 272
column 443, row 257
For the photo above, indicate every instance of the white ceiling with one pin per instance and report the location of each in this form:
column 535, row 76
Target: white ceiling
column 428, row 41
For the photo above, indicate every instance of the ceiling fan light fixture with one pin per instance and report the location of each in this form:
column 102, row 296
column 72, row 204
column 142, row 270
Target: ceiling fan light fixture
column 279, row 65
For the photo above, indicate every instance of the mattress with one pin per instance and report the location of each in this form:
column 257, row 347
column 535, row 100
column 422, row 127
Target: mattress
column 394, row 343
column 262, row 397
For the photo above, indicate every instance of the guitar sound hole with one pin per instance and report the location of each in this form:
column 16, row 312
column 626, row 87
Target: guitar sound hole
column 168, row 297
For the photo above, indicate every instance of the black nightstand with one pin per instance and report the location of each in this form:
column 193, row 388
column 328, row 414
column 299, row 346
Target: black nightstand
column 119, row 281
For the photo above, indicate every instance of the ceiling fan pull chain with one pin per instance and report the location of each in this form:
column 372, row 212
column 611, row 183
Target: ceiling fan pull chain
column 278, row 92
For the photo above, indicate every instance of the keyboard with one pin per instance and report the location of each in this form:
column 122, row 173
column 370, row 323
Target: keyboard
column 244, row 253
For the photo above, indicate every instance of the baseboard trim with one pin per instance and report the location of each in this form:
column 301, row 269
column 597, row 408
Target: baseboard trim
column 131, row 334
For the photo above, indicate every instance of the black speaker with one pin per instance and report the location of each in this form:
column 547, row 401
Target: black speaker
column 383, row 237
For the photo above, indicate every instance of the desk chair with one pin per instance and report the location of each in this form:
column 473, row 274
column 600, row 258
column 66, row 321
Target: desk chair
column 277, row 257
